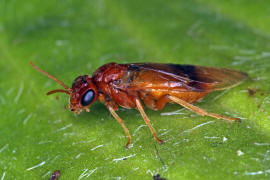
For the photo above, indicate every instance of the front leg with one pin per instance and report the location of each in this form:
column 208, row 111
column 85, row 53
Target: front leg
column 121, row 122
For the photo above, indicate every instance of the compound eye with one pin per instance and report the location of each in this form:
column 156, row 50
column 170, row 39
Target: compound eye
column 88, row 97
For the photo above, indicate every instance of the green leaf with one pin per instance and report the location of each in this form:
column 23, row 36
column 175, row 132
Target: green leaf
column 71, row 38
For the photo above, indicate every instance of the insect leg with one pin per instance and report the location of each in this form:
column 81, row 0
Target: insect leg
column 161, row 102
column 147, row 120
column 121, row 122
column 199, row 110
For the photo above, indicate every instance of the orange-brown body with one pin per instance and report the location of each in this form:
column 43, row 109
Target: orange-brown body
column 155, row 84
column 121, row 84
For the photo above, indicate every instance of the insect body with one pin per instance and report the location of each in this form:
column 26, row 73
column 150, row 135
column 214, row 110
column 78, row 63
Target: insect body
column 127, row 85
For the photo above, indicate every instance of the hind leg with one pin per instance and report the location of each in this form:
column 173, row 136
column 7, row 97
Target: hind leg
column 199, row 110
column 161, row 102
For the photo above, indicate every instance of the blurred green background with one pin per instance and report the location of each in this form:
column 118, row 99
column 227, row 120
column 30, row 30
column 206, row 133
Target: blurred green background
column 68, row 38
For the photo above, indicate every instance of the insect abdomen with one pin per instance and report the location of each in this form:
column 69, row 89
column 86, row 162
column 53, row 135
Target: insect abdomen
column 156, row 100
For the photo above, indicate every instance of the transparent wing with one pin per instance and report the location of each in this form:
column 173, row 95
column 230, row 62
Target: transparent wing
column 183, row 77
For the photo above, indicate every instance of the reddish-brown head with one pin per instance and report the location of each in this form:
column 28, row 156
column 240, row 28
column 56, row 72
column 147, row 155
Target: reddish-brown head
column 82, row 94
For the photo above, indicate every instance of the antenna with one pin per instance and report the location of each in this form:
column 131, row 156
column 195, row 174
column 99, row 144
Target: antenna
column 53, row 78
column 58, row 91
